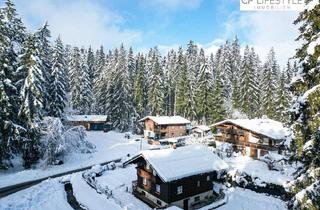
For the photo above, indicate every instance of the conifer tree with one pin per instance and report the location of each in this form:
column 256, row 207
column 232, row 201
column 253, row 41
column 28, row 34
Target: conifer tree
column 75, row 74
column 43, row 45
column 269, row 84
column 248, row 86
column 305, row 116
column 32, row 108
column 205, row 96
column 91, row 65
column 155, row 92
column 282, row 100
column 85, row 90
column 58, row 86
column 120, row 103
column 219, row 110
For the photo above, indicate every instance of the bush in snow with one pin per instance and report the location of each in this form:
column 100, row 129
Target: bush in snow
column 57, row 141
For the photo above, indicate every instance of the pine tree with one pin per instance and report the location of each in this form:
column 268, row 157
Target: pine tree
column 119, row 97
column 235, row 71
column 219, row 110
column 58, row 86
column 269, row 84
column 205, row 96
column 32, row 108
column 86, row 97
column 282, row 102
column 91, row 65
column 75, row 74
column 248, row 86
column 15, row 30
column 43, row 45
column 227, row 74
column 305, row 116
column 6, row 91
column 155, row 92
column 171, row 82
column 139, row 86
column 184, row 102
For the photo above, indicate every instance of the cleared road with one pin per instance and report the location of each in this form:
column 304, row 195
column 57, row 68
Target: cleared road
column 21, row 186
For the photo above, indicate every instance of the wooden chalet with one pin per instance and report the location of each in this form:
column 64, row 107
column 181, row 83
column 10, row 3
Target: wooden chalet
column 255, row 137
column 200, row 131
column 90, row 122
column 160, row 127
column 181, row 177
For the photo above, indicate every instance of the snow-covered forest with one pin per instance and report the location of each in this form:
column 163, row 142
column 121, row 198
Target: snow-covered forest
column 41, row 77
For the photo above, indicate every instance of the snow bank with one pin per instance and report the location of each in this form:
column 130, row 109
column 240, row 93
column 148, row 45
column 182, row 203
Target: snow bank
column 88, row 197
column 258, row 170
column 48, row 195
column 239, row 198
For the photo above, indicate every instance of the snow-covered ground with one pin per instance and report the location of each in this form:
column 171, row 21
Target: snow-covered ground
column 256, row 168
column 50, row 194
column 109, row 146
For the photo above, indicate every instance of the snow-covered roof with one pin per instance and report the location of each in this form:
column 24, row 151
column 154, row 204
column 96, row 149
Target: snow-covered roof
column 201, row 128
column 266, row 127
column 173, row 164
column 166, row 120
column 87, row 117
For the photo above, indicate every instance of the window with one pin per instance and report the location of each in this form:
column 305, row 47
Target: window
column 179, row 190
column 157, row 188
column 159, row 203
column 144, row 181
column 198, row 183
column 208, row 178
column 196, row 199
column 147, row 166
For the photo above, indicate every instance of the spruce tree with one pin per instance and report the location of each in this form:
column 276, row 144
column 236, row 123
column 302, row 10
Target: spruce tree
column 269, row 84
column 42, row 36
column 139, row 81
column 305, row 116
column 282, row 100
column 248, row 86
column 58, row 85
column 85, row 90
column 205, row 96
column 32, row 108
column 156, row 87
column 75, row 74
column 219, row 110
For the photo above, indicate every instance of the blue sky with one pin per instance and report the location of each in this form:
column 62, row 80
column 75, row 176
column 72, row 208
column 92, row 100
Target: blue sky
column 166, row 23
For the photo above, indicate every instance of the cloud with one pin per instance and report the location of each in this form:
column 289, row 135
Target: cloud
column 264, row 30
column 79, row 22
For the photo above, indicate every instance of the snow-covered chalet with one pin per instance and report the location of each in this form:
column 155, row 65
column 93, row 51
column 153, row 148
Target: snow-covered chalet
column 252, row 137
column 160, row 127
column 180, row 177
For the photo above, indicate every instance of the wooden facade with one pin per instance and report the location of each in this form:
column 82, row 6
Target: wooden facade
column 90, row 122
column 184, row 192
column 155, row 131
column 250, row 143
